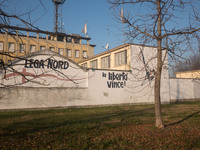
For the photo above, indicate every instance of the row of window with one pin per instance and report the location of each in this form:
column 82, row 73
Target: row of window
column 77, row 40
column 69, row 40
column 120, row 59
column 22, row 49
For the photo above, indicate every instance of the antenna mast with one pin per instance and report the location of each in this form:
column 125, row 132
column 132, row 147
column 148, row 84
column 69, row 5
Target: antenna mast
column 58, row 24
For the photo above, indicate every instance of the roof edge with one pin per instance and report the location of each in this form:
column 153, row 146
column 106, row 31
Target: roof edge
column 44, row 32
column 114, row 49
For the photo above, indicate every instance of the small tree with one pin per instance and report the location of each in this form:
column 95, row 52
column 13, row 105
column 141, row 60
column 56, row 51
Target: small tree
column 160, row 23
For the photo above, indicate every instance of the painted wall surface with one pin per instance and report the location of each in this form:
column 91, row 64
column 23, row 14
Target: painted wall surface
column 116, row 87
column 108, row 87
column 66, row 84
column 47, row 69
column 69, row 85
column 104, row 88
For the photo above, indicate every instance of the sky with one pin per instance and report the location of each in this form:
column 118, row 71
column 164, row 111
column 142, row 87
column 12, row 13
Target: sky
column 101, row 25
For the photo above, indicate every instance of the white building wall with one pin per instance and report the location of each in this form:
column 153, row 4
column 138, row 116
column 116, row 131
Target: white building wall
column 141, row 83
column 44, row 69
column 184, row 89
column 96, row 87
column 197, row 89
column 102, row 90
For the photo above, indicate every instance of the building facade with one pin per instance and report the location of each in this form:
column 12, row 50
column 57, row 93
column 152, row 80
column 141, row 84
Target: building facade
column 192, row 74
column 16, row 42
column 47, row 79
column 125, row 57
column 115, row 59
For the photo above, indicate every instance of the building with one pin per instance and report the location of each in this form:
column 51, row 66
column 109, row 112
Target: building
column 114, row 59
column 46, row 69
column 125, row 57
column 192, row 74
column 48, row 79
column 16, row 42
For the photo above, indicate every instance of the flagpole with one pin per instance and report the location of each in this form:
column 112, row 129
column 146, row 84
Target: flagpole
column 108, row 38
column 122, row 21
column 87, row 35
column 123, row 34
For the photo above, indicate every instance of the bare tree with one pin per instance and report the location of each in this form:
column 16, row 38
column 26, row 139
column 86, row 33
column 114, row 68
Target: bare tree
column 173, row 25
column 189, row 64
column 7, row 19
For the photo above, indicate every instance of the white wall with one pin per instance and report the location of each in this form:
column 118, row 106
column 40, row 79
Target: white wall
column 98, row 92
column 184, row 89
column 32, row 97
column 94, row 87
column 134, row 91
column 196, row 89
column 44, row 69
column 139, row 72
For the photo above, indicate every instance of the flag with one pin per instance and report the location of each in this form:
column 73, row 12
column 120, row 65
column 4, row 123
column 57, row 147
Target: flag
column 84, row 30
column 107, row 46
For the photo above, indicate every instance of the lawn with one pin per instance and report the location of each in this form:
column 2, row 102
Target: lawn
column 111, row 127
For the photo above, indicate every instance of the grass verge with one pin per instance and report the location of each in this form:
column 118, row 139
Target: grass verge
column 112, row 127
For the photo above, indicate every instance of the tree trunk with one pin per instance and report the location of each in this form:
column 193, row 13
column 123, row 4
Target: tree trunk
column 157, row 86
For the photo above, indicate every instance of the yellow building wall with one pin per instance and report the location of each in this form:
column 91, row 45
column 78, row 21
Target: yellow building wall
column 188, row 74
column 47, row 42
column 112, row 59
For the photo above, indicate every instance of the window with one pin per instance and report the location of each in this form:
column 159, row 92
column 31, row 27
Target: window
column 32, row 48
column 69, row 39
column 22, row 48
column 60, row 51
column 93, row 64
column 77, row 53
column 11, row 47
column 1, row 46
column 42, row 47
column 84, row 54
column 121, row 58
column 69, row 53
column 60, row 38
column 77, row 40
column 52, row 48
column 84, row 65
column 105, row 62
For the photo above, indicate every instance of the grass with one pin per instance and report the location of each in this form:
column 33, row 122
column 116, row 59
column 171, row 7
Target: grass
column 112, row 127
